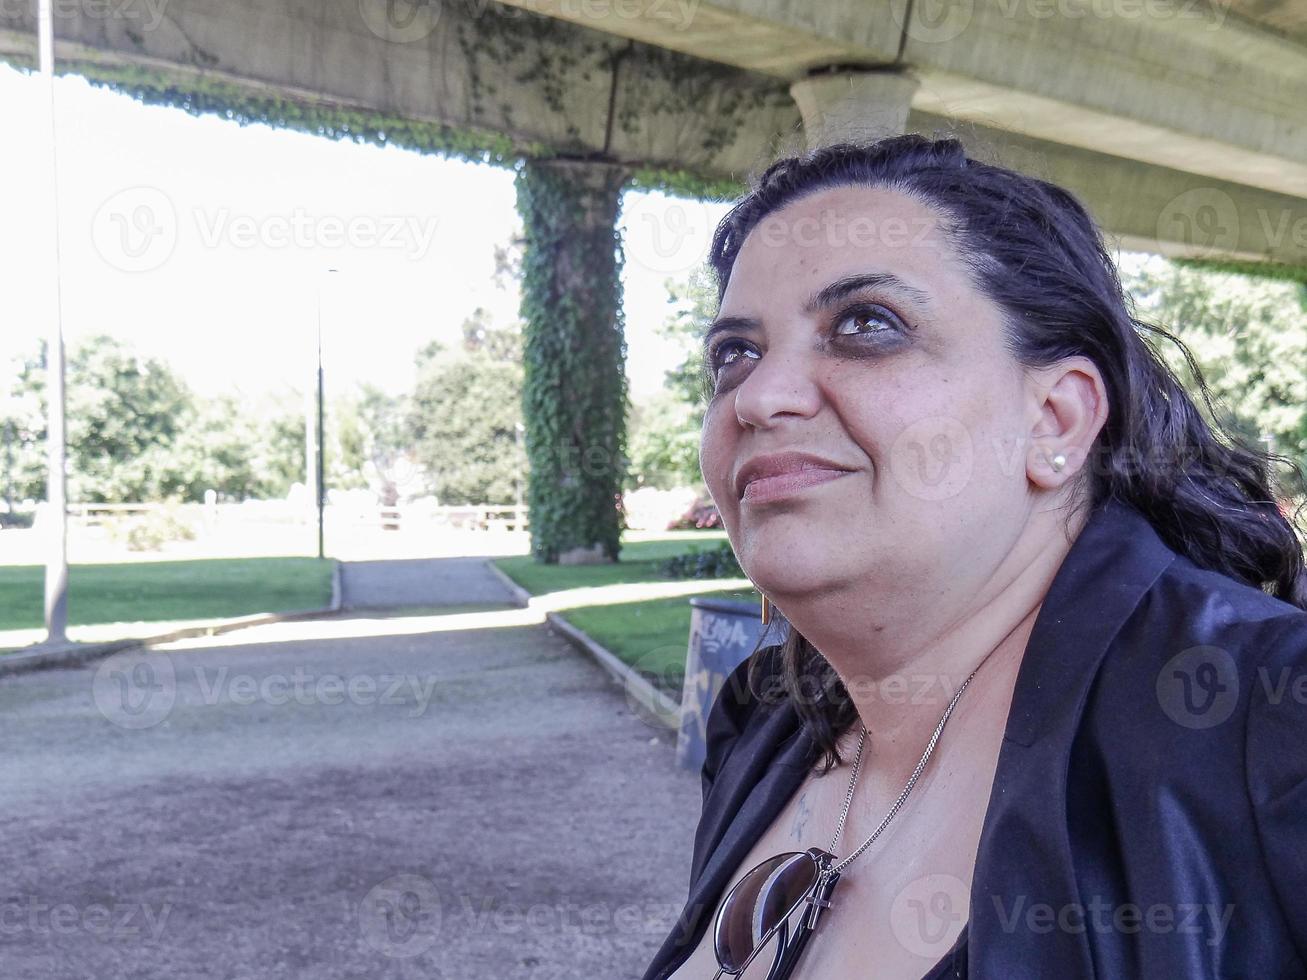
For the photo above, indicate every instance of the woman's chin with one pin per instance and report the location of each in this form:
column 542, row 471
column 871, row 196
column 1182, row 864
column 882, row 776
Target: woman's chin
column 791, row 572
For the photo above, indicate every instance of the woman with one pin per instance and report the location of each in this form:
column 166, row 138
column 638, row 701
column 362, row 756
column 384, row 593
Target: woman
column 1066, row 611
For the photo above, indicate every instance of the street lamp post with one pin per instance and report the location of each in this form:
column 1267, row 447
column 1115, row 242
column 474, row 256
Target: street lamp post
column 519, row 465
column 9, row 467
column 9, row 407
column 322, row 443
column 320, row 480
column 56, row 569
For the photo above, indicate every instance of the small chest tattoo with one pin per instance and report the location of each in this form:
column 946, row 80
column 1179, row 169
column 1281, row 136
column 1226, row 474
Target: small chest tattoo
column 801, row 814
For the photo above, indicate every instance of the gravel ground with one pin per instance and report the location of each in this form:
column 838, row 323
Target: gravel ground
column 479, row 803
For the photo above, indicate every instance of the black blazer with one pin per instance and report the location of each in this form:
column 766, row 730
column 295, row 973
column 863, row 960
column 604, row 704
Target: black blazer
column 1148, row 816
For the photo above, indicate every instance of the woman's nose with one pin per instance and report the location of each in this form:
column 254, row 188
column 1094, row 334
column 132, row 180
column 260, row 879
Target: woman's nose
column 779, row 386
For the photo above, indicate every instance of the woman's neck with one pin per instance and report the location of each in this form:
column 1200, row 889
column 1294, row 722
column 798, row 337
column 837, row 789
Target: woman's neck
column 903, row 656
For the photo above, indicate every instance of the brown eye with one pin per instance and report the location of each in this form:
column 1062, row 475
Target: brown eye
column 727, row 353
column 866, row 320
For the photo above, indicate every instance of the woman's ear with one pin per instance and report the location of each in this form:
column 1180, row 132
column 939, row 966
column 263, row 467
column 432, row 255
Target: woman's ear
column 1069, row 409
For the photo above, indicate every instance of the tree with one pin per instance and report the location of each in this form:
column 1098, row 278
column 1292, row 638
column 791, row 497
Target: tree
column 278, row 449
column 695, row 302
column 1249, row 337
column 665, row 430
column 238, row 450
column 466, row 417
column 125, row 411
column 481, row 336
column 137, row 433
column 374, row 441
column 465, row 423
column 23, row 427
column 665, row 443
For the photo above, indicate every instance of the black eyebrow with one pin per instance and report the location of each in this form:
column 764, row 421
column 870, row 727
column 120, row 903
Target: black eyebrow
column 826, row 296
column 744, row 324
column 836, row 291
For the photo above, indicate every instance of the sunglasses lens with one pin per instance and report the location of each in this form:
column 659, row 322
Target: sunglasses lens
column 761, row 899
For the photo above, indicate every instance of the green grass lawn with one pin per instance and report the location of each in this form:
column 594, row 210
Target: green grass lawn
column 638, row 563
column 168, row 590
column 651, row 635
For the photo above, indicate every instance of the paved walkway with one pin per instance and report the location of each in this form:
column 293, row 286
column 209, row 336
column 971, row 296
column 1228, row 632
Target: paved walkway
column 301, row 800
column 419, row 582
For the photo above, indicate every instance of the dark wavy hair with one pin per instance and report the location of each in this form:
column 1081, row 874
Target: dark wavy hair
column 1034, row 250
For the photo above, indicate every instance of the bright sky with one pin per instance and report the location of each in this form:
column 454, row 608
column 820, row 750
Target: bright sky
column 205, row 243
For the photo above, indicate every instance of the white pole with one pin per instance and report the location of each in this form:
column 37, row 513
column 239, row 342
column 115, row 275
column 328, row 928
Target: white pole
column 320, row 477
column 310, row 439
column 56, row 569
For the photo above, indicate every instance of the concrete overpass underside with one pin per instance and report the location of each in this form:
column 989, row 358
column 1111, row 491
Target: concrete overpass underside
column 1181, row 124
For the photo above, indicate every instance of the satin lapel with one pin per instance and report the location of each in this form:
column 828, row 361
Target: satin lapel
column 1114, row 561
column 748, row 793
column 758, row 795
column 1024, row 856
column 747, row 782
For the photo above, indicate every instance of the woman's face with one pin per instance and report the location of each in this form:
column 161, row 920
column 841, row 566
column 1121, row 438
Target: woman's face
column 851, row 333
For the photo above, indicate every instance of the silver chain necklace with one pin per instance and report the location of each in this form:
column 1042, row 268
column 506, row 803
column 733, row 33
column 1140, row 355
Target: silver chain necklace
column 853, row 779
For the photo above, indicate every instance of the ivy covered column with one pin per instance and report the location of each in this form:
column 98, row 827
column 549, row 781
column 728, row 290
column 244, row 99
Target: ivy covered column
column 574, row 387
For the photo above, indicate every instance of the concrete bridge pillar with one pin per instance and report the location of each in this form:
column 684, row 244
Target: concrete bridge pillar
column 574, row 391
column 854, row 105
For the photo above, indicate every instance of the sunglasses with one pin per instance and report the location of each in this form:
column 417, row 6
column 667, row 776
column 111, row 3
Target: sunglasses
column 762, row 903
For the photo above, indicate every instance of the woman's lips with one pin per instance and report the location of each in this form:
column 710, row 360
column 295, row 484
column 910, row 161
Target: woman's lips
column 768, row 488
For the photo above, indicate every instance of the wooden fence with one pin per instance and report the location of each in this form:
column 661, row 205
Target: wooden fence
column 480, row 517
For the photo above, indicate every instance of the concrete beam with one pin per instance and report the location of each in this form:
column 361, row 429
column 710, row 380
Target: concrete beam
column 1146, row 208
column 507, row 81
column 1143, row 79
column 782, row 38
column 484, row 81
column 1285, row 17
column 1184, row 89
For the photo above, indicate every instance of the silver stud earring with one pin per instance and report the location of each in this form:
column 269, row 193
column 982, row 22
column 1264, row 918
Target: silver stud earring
column 1058, row 462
